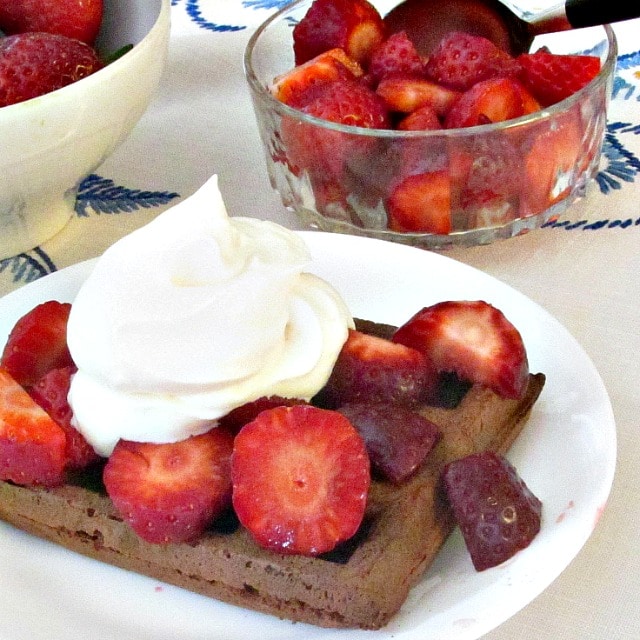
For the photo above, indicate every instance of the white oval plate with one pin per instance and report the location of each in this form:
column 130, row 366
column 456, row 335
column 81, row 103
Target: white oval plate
column 566, row 455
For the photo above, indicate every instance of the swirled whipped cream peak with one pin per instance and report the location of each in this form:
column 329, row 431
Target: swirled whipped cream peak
column 195, row 314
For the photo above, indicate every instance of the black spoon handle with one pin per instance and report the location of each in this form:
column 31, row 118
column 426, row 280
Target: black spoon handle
column 589, row 13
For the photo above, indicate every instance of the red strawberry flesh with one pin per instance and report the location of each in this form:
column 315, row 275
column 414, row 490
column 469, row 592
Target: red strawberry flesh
column 32, row 444
column 171, row 492
column 300, row 479
column 38, row 343
column 472, row 339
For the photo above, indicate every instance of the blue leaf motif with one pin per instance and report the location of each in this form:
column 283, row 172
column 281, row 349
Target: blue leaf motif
column 103, row 196
column 27, row 267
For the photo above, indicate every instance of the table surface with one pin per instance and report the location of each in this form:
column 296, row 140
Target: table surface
column 583, row 269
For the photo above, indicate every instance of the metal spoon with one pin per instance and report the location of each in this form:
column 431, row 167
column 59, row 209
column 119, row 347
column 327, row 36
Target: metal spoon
column 426, row 21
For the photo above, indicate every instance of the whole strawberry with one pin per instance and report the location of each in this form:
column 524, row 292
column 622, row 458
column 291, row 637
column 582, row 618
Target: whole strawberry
column 32, row 64
column 78, row 19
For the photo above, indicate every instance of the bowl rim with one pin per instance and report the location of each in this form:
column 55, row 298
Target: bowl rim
column 262, row 93
column 162, row 21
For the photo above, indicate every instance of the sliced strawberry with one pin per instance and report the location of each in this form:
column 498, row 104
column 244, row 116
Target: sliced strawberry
column 396, row 56
column 80, row 19
column 171, row 492
column 494, row 172
column 51, row 392
column 236, row 419
column 38, row 343
column 462, row 60
column 305, row 82
column 424, row 118
column 375, row 369
column 497, row 513
column 408, row 94
column 553, row 77
column 323, row 150
column 494, row 100
column 398, row 439
column 300, row 479
column 472, row 339
column 352, row 25
column 549, row 164
column 32, row 445
column 421, row 203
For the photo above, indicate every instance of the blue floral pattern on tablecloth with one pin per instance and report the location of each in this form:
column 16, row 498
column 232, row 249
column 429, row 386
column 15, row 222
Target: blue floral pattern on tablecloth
column 100, row 196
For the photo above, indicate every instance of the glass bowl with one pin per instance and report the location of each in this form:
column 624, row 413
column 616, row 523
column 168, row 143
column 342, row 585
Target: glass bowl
column 549, row 156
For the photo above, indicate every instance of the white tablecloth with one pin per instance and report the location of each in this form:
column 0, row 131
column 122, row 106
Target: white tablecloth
column 583, row 268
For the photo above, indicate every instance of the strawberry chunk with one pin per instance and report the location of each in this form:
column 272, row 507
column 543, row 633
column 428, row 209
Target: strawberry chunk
column 553, row 77
column 406, row 94
column 38, row 343
column 305, row 82
column 51, row 392
column 352, row 25
column 496, row 511
column 462, row 59
column 327, row 152
column 493, row 100
column 421, row 203
column 425, row 118
column 472, row 339
column 375, row 369
column 549, row 163
column 171, row 492
column 396, row 56
column 32, row 445
column 300, row 479
column 398, row 439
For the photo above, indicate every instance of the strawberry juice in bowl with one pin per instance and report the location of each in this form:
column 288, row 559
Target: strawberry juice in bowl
column 491, row 172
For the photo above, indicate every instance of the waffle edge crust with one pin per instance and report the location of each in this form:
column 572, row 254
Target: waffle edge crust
column 362, row 585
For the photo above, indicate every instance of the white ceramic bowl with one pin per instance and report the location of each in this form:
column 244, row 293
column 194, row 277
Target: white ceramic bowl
column 51, row 143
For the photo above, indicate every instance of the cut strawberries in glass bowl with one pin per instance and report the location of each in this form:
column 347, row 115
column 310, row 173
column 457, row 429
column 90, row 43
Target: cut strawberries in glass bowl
column 461, row 146
column 58, row 126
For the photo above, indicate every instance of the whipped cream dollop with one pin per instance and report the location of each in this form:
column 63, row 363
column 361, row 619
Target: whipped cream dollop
column 193, row 315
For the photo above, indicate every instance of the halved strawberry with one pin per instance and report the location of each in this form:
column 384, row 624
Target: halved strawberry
column 396, row 56
column 553, row 77
column 472, row 339
column 424, row 118
column 300, row 479
column 461, row 60
column 325, row 151
column 493, row 100
column 550, row 161
column 497, row 513
column 421, row 203
column 238, row 417
column 406, row 94
column 305, row 82
column 398, row 439
column 375, row 369
column 38, row 343
column 32, row 445
column 51, row 392
column 352, row 25
column 171, row 492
